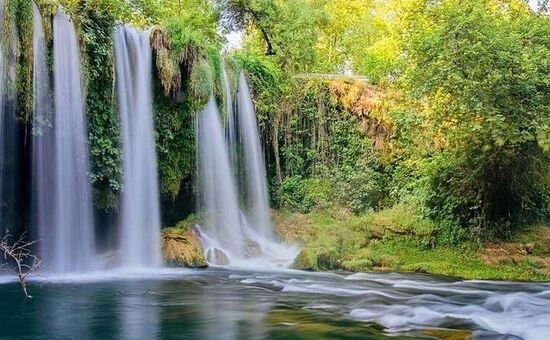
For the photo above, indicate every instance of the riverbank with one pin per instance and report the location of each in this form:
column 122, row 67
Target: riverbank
column 392, row 240
column 396, row 240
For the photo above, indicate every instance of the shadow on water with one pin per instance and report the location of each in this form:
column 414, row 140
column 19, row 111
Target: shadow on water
column 235, row 304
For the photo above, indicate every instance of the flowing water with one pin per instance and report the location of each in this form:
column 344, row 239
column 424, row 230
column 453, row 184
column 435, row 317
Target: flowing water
column 257, row 199
column 68, row 245
column 238, row 304
column 42, row 134
column 8, row 123
column 230, row 236
column 218, row 195
column 230, row 121
column 140, row 216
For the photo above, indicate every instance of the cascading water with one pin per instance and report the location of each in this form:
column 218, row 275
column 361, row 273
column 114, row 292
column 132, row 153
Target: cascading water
column 8, row 123
column 246, row 238
column 68, row 245
column 140, row 217
column 231, row 122
column 42, row 135
column 218, row 194
column 257, row 200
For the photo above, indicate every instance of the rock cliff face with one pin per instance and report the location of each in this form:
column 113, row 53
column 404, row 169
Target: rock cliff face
column 182, row 249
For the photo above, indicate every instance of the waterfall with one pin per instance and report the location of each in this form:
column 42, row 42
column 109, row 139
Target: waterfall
column 218, row 194
column 8, row 123
column 257, row 199
column 231, row 122
column 246, row 238
column 42, row 137
column 68, row 245
column 140, row 216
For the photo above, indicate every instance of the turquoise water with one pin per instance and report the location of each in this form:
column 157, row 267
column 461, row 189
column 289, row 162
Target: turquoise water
column 236, row 304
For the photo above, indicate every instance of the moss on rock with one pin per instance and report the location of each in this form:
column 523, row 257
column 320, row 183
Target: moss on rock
column 183, row 249
column 303, row 261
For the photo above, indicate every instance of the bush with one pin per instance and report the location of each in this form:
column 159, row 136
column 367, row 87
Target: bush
column 292, row 194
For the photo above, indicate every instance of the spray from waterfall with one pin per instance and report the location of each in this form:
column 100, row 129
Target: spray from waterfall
column 69, row 245
column 140, row 216
column 42, row 139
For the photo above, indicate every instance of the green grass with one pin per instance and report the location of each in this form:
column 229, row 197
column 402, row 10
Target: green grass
column 182, row 226
column 452, row 262
column 400, row 240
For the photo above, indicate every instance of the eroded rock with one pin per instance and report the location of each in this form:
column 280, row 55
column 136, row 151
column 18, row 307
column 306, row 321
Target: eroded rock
column 252, row 249
column 183, row 250
column 217, row 256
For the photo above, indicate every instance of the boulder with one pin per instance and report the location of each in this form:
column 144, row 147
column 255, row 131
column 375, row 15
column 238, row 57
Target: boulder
column 183, row 250
column 252, row 248
column 303, row 261
column 217, row 256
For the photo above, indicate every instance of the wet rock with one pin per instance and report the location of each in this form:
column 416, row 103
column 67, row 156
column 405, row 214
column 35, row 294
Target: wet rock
column 183, row 250
column 448, row 334
column 307, row 260
column 217, row 256
column 303, row 261
column 328, row 261
column 252, row 248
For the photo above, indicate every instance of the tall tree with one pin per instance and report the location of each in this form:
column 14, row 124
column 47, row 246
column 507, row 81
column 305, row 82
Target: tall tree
column 481, row 69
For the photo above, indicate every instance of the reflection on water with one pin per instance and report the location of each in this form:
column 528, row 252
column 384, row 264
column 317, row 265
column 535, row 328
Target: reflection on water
column 138, row 315
column 233, row 304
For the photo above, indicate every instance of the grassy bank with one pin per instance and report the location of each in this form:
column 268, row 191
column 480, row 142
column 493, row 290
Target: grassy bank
column 399, row 240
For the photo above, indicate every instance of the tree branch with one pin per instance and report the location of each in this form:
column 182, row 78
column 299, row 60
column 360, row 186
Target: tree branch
column 20, row 254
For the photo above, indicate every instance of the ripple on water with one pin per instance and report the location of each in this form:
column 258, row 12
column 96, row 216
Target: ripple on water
column 214, row 302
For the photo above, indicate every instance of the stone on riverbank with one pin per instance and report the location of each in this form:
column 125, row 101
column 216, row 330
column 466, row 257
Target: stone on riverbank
column 183, row 249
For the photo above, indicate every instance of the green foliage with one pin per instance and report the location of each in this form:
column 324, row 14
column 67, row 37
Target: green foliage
column 175, row 142
column 202, row 80
column 215, row 60
column 188, row 28
column 97, row 25
column 295, row 34
column 453, row 121
column 481, row 73
column 198, row 17
column 287, row 31
column 325, row 157
column 292, row 194
column 266, row 82
column 357, row 34
column 400, row 239
column 187, row 74
column 20, row 12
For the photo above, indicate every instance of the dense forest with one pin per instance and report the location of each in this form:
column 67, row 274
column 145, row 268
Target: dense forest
column 432, row 114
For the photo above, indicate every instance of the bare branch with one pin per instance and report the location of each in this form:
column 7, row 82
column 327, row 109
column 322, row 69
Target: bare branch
column 19, row 259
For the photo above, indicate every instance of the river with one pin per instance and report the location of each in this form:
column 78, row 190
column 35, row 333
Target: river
column 223, row 303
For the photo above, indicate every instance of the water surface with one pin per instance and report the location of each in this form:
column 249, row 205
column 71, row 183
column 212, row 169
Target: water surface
column 235, row 304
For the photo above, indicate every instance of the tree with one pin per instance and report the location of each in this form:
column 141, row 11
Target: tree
column 287, row 31
column 480, row 70
column 19, row 259
column 240, row 14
